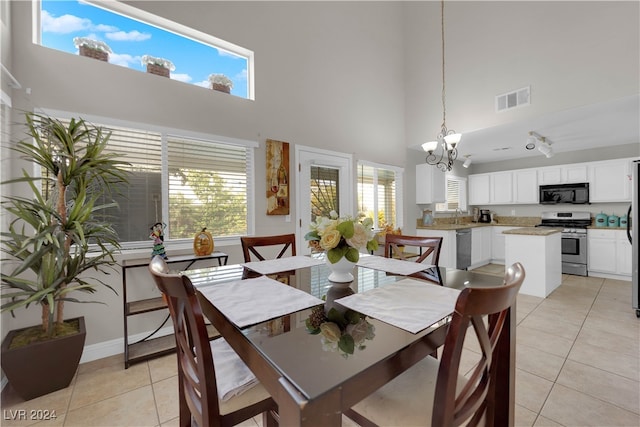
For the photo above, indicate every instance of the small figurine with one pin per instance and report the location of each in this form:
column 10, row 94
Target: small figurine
column 157, row 235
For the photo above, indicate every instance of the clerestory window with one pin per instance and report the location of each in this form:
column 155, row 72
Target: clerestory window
column 123, row 35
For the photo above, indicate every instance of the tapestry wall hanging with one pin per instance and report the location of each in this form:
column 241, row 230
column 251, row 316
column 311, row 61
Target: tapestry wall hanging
column 277, row 177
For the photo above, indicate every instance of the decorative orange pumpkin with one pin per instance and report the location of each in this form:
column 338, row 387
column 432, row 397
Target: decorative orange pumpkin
column 203, row 243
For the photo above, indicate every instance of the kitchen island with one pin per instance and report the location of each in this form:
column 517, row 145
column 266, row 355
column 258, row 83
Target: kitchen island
column 539, row 250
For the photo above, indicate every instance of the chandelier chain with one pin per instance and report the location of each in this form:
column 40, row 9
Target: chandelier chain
column 444, row 107
column 447, row 140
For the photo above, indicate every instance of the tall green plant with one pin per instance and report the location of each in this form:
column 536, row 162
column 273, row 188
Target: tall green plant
column 56, row 236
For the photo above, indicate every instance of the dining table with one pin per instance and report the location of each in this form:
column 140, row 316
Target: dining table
column 313, row 383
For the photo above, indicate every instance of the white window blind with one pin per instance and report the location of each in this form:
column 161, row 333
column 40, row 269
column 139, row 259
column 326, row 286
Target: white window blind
column 377, row 194
column 199, row 183
column 456, row 196
column 207, row 187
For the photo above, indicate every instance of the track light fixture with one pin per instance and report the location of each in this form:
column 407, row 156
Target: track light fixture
column 544, row 146
column 467, row 161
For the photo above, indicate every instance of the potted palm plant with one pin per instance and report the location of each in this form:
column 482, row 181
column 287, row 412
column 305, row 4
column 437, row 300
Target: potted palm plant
column 53, row 239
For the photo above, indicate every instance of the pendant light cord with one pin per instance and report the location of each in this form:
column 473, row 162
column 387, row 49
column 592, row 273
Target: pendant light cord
column 444, row 108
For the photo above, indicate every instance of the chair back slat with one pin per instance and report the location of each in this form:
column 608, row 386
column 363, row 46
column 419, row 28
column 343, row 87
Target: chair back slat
column 284, row 243
column 198, row 399
column 486, row 310
column 428, row 247
column 198, row 391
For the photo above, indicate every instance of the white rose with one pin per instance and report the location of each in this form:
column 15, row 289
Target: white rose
column 359, row 238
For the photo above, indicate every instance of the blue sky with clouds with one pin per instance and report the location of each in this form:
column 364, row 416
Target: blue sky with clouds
column 129, row 40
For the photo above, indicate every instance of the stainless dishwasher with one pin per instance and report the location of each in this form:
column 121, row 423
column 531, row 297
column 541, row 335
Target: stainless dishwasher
column 463, row 248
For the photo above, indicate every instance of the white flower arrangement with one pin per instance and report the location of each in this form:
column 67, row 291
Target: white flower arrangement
column 165, row 63
column 91, row 44
column 342, row 237
column 220, row 79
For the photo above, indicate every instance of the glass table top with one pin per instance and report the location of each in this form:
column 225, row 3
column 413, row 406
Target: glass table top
column 305, row 359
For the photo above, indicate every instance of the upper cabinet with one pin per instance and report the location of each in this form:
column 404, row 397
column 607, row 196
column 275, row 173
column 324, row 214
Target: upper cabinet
column 479, row 189
column 430, row 184
column 490, row 188
column 501, row 188
column 525, row 186
column 610, row 181
column 565, row 174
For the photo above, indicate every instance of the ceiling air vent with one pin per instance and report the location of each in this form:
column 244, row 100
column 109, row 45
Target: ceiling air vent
column 517, row 98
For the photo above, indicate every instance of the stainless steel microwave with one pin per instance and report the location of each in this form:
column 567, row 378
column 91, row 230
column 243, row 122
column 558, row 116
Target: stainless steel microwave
column 577, row 194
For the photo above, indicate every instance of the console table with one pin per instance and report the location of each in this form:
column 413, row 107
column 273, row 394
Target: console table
column 149, row 347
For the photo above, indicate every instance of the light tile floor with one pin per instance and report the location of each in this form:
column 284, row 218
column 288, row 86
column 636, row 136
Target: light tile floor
column 577, row 361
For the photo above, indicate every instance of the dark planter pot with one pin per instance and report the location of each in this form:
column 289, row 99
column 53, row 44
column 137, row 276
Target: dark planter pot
column 43, row 367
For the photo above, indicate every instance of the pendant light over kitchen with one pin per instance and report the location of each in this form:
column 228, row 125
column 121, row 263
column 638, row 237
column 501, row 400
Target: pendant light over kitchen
column 444, row 150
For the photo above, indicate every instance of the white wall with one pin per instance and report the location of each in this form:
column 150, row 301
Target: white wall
column 328, row 75
column 571, row 53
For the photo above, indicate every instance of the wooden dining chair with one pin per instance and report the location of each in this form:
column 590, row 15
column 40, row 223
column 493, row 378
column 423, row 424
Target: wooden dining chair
column 435, row 392
column 267, row 244
column 395, row 245
column 198, row 394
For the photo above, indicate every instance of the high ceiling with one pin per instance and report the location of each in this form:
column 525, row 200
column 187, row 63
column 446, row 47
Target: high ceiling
column 607, row 124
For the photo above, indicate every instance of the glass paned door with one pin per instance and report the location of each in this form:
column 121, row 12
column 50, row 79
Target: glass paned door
column 324, row 183
column 325, row 191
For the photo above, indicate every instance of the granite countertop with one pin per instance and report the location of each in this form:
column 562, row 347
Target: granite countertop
column 453, row 226
column 447, row 223
column 533, row 231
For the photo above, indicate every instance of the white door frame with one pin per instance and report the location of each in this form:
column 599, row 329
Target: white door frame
column 305, row 158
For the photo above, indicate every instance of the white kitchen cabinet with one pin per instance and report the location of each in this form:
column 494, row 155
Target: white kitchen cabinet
column 481, row 238
column 610, row 181
column 624, row 253
column 448, row 248
column 490, row 188
column 609, row 252
column 525, row 186
column 479, row 189
column 498, row 243
column 501, row 188
column 563, row 174
column 430, row 184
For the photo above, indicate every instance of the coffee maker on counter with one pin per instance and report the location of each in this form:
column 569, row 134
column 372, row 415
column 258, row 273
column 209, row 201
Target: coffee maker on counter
column 485, row 216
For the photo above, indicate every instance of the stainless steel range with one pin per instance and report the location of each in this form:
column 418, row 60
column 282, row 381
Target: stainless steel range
column 574, row 238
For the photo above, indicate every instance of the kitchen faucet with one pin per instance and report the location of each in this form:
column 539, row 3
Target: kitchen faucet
column 456, row 220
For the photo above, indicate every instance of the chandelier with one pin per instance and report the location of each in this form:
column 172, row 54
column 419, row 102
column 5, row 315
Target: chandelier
column 443, row 151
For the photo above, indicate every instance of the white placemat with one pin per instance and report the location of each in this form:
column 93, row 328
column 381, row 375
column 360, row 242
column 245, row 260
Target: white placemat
column 233, row 377
column 251, row 301
column 409, row 304
column 392, row 265
column 271, row 266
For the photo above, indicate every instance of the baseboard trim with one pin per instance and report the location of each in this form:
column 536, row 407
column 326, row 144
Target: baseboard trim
column 105, row 349
column 609, row 276
column 111, row 348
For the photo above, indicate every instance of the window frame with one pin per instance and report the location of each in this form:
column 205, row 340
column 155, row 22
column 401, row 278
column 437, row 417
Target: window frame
column 399, row 181
column 167, row 132
column 165, row 24
column 462, row 194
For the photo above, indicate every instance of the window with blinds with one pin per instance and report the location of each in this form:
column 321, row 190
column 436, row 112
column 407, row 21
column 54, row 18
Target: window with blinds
column 185, row 183
column 377, row 194
column 456, row 196
column 207, row 188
